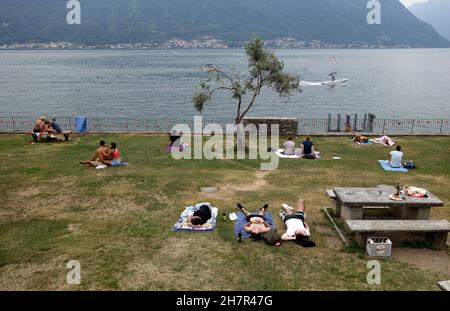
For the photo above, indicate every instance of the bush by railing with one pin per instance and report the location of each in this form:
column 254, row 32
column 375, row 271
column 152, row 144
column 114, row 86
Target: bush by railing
column 305, row 126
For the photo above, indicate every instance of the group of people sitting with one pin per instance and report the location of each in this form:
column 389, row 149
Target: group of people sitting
column 306, row 149
column 46, row 130
column 259, row 228
column 106, row 156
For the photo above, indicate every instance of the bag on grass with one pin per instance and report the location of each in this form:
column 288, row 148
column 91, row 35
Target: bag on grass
column 409, row 165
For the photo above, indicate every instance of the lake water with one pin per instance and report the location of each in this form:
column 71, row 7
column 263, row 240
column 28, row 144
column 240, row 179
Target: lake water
column 141, row 83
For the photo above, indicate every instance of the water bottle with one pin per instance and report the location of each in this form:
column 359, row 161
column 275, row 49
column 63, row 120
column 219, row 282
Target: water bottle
column 224, row 215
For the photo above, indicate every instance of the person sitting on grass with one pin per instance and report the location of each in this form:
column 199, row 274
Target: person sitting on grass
column 289, row 147
column 100, row 156
column 308, row 147
column 256, row 224
column 200, row 217
column 395, row 157
column 113, row 157
column 296, row 228
column 175, row 139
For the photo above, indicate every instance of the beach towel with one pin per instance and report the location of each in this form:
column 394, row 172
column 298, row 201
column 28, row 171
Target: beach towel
column 182, row 222
column 384, row 140
column 370, row 142
column 280, row 154
column 387, row 167
column 242, row 220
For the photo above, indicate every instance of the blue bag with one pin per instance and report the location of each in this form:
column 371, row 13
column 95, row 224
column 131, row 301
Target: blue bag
column 81, row 124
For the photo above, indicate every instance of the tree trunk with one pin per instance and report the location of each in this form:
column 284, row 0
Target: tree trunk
column 240, row 137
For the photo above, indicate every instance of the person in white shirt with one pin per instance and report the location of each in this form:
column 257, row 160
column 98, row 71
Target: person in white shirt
column 296, row 227
column 395, row 158
column 289, row 147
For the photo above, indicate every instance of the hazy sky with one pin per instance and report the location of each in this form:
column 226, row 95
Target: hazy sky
column 410, row 2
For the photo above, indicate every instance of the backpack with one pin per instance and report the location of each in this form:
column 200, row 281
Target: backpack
column 309, row 156
column 409, row 165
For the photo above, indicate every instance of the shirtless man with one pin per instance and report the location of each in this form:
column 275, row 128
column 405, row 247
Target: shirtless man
column 101, row 155
column 39, row 125
column 256, row 224
column 297, row 229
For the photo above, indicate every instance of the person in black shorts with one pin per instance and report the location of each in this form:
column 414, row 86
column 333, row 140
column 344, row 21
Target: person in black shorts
column 200, row 217
column 256, row 224
column 296, row 228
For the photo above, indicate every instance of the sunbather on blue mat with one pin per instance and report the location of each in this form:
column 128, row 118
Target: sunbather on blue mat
column 256, row 224
column 259, row 226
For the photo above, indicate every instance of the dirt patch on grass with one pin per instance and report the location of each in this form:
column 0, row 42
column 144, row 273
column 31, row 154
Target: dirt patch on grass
column 31, row 276
column 28, row 192
column 426, row 259
column 234, row 184
column 179, row 265
column 333, row 242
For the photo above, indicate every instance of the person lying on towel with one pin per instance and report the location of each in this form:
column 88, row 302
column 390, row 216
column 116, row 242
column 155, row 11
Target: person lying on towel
column 256, row 224
column 200, row 217
column 361, row 139
column 296, row 228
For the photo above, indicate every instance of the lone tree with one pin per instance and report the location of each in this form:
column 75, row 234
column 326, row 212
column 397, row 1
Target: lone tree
column 265, row 70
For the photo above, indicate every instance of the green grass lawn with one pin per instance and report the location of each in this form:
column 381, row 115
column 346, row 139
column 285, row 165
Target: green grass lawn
column 117, row 222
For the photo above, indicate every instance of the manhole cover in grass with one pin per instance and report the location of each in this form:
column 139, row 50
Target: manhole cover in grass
column 209, row 189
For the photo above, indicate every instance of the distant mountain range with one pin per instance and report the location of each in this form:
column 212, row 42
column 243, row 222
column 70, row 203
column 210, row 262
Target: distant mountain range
column 436, row 13
column 233, row 21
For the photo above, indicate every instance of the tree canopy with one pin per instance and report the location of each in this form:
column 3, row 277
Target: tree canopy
column 264, row 70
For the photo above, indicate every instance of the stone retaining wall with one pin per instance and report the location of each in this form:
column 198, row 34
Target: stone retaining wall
column 287, row 126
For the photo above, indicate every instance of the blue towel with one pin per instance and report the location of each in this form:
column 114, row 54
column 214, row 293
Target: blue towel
column 242, row 220
column 387, row 167
column 81, row 124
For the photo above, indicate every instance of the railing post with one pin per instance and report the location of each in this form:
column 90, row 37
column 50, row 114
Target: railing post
column 384, row 126
column 338, row 129
column 13, row 124
column 412, row 127
column 329, row 123
column 98, row 125
column 442, row 125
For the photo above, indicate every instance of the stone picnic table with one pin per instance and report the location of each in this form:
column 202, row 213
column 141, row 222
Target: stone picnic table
column 350, row 203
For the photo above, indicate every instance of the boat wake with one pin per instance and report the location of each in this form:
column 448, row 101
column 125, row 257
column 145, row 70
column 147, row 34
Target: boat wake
column 329, row 83
column 307, row 83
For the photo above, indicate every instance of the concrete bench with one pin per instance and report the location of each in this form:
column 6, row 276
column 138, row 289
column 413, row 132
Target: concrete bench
column 398, row 231
column 330, row 193
column 444, row 285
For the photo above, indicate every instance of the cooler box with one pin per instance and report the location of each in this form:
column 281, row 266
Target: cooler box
column 379, row 247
